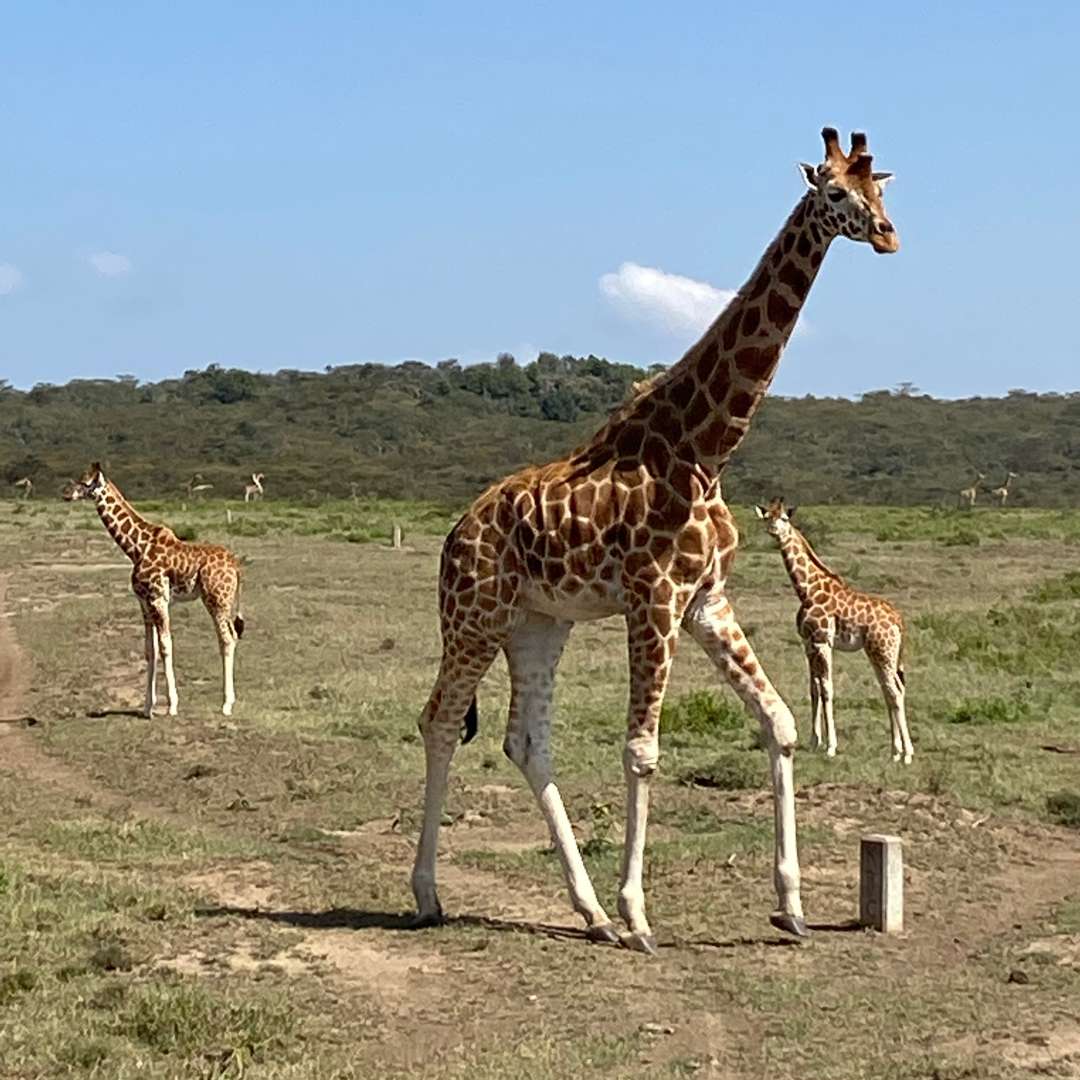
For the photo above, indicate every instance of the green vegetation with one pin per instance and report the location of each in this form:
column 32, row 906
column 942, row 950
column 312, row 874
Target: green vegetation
column 1064, row 807
column 702, row 712
column 443, row 433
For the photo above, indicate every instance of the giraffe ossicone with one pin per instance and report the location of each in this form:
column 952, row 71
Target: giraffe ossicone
column 165, row 569
column 833, row 615
column 632, row 523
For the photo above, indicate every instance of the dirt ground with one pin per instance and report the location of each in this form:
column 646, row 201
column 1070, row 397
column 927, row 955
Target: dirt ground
column 203, row 896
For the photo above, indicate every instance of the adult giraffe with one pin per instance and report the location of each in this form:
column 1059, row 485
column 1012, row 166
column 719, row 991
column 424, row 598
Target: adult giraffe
column 633, row 524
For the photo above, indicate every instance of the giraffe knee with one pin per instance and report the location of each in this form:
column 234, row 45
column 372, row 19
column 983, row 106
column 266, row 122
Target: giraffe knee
column 779, row 729
column 642, row 754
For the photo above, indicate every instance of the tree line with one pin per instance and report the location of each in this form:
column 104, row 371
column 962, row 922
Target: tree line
column 443, row 432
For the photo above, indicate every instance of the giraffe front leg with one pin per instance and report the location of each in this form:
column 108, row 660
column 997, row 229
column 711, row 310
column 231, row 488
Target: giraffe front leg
column 532, row 654
column 712, row 624
column 820, row 653
column 652, row 637
column 151, row 647
column 815, row 700
column 164, row 636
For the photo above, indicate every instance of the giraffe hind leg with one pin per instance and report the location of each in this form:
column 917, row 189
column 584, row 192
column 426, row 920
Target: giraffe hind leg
column 441, row 723
column 532, row 654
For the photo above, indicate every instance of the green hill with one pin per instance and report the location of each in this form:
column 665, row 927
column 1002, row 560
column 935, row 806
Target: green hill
column 442, row 433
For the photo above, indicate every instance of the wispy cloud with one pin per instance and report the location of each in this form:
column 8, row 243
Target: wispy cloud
column 10, row 278
column 110, row 263
column 675, row 303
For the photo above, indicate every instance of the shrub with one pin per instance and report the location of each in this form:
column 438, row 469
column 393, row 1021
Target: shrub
column 730, row 772
column 1064, row 808
column 991, row 710
column 701, row 713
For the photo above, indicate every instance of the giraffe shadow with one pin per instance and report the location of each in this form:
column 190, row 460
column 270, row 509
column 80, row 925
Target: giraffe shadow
column 404, row 922
column 101, row 714
column 355, row 919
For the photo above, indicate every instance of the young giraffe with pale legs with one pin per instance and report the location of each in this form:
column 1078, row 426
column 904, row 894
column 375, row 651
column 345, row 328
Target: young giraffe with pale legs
column 969, row 494
column 833, row 615
column 633, row 524
column 254, row 490
column 1002, row 493
column 168, row 569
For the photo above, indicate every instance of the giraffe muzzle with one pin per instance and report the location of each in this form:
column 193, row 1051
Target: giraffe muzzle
column 884, row 238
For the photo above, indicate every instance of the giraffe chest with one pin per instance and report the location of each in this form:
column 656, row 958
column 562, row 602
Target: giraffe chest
column 181, row 580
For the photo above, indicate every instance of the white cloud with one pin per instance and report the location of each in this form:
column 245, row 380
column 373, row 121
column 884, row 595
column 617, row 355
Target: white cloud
column 677, row 304
column 109, row 263
column 10, row 278
column 680, row 305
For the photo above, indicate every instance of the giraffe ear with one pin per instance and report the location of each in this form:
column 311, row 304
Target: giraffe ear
column 791, row 512
column 760, row 511
column 809, row 175
column 95, row 467
column 882, row 178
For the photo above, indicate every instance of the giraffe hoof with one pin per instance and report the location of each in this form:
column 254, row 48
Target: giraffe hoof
column 643, row 943
column 831, row 752
column 424, row 920
column 603, row 933
column 791, row 924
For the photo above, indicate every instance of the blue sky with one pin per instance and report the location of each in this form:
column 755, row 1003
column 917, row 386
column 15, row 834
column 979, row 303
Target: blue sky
column 296, row 185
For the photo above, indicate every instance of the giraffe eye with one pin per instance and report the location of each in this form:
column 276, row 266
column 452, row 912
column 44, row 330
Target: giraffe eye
column 835, row 194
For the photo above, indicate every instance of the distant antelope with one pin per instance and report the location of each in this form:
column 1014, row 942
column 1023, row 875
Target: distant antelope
column 969, row 494
column 254, row 490
column 27, row 485
column 195, row 487
column 1002, row 493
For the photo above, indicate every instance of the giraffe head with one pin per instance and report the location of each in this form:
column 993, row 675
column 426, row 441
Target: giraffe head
column 777, row 518
column 89, row 486
column 847, row 194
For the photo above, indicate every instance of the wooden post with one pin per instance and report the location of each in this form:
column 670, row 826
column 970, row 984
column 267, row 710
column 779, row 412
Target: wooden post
column 881, row 883
column 397, row 537
column 228, row 516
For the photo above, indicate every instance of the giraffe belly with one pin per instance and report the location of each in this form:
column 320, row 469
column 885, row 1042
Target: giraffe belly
column 848, row 639
column 582, row 606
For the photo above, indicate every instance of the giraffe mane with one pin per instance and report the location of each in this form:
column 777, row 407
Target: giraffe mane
column 816, row 559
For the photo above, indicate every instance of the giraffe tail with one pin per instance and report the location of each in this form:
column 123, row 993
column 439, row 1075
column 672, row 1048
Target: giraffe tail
column 238, row 620
column 472, row 723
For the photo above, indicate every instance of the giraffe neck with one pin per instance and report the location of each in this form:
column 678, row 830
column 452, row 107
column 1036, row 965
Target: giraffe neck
column 132, row 533
column 701, row 408
column 734, row 362
column 802, row 563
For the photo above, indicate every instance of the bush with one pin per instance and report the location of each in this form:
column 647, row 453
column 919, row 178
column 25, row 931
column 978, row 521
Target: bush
column 1064, row 808
column 730, row 772
column 701, row 713
column 992, row 710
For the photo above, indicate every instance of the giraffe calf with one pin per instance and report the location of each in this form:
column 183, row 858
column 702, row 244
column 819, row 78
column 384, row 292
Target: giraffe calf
column 833, row 615
column 166, row 569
